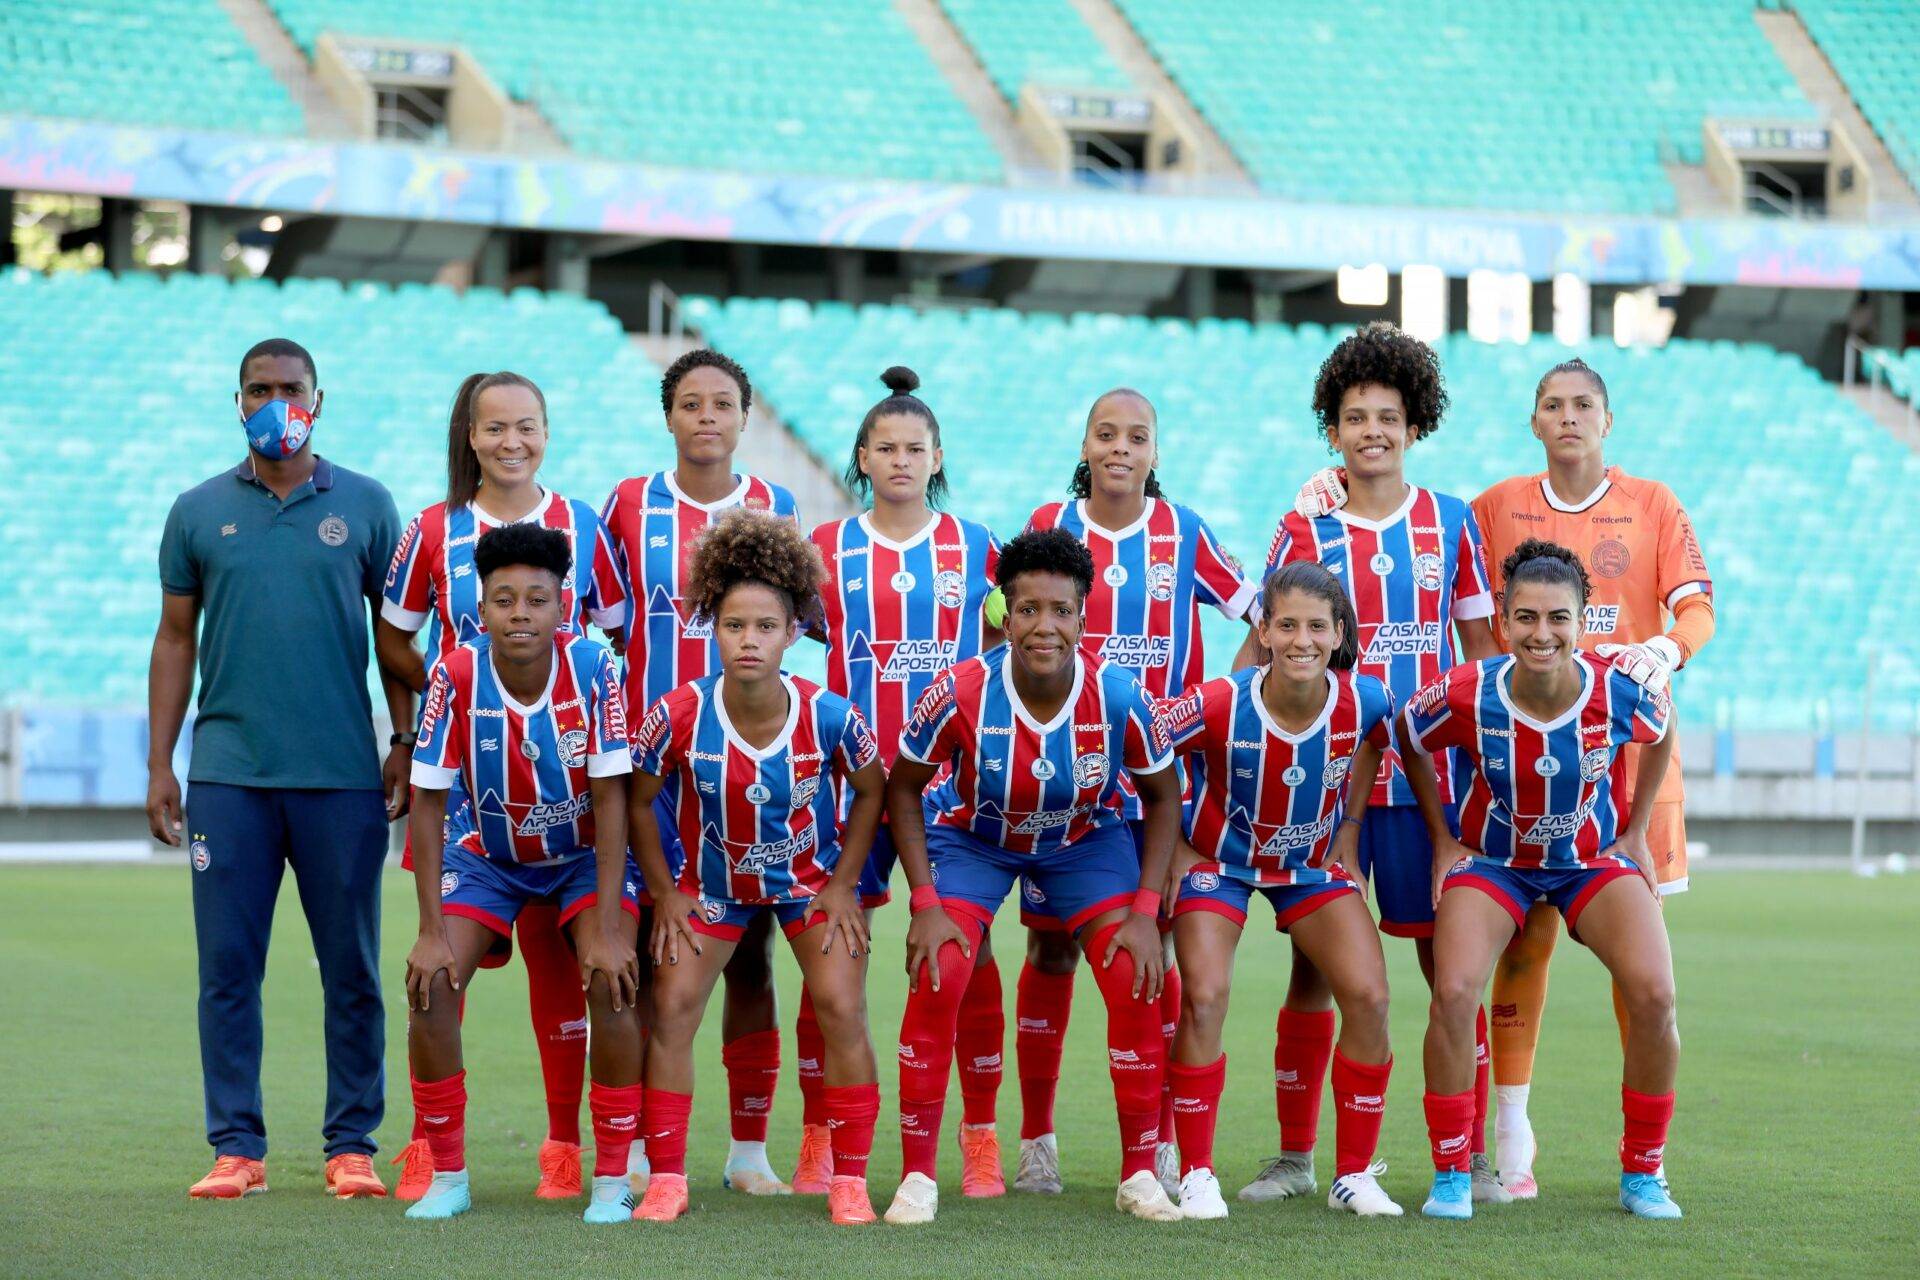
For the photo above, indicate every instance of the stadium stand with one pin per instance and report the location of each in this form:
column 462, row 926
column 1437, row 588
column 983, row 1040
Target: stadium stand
column 1726, row 424
column 831, row 86
column 1874, row 45
column 1566, row 108
column 157, row 62
column 1037, row 41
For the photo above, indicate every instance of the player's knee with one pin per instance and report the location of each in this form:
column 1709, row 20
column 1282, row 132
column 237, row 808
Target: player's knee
column 1455, row 999
column 1203, row 1000
column 840, row 1009
column 1650, row 1002
column 1052, row 952
column 1363, row 1006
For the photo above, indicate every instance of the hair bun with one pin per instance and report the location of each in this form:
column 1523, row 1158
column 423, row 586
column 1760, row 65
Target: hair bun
column 900, row 380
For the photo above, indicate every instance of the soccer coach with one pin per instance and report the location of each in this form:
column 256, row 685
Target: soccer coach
column 278, row 565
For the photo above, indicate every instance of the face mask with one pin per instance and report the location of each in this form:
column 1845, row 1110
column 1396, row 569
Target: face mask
column 278, row 429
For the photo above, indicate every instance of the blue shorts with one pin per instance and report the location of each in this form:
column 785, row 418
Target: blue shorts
column 1397, row 856
column 1515, row 889
column 1206, row 887
column 492, row 892
column 1037, row 910
column 1096, row 873
column 876, row 888
column 727, row 919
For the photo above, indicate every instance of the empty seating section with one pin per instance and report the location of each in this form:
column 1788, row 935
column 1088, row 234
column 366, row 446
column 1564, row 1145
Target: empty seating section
column 829, row 86
column 1045, row 42
column 1727, row 425
column 160, row 62
column 1874, row 45
column 1503, row 104
column 120, row 395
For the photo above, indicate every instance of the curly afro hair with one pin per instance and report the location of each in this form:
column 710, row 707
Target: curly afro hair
column 529, row 544
column 1383, row 355
column 752, row 546
column 1046, row 551
column 703, row 358
column 1549, row 563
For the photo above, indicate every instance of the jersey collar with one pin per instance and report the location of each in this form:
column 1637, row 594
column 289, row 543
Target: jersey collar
column 780, row 740
column 733, row 499
column 1346, row 517
column 1063, row 716
column 546, row 695
column 874, row 535
column 489, row 519
column 1115, row 535
column 1272, row 726
column 1575, row 508
column 1505, row 674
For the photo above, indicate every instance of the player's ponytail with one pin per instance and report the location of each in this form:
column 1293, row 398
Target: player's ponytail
column 463, row 465
column 1547, row 563
column 901, row 382
column 1081, row 486
column 1309, row 578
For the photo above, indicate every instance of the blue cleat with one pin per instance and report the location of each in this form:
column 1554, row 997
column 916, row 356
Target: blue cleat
column 447, row 1197
column 1644, row 1195
column 1452, row 1195
column 612, row 1200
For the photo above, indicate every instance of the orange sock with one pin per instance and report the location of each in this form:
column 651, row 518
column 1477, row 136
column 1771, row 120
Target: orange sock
column 1520, row 997
column 1620, row 1015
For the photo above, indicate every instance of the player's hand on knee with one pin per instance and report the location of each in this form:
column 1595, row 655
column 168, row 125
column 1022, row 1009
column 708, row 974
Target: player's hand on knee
column 430, row 957
column 844, row 919
column 932, row 929
column 601, row 952
column 1139, row 937
column 673, row 926
column 1323, row 494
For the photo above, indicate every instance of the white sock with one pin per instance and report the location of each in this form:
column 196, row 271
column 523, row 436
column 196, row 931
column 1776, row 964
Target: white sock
column 637, row 1159
column 750, row 1153
column 1512, row 1134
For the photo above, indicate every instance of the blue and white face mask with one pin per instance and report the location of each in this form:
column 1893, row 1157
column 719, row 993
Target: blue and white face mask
column 278, row 429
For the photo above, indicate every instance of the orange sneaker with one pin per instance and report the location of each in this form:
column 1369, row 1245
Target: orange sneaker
column 231, row 1178
column 416, row 1170
column 813, row 1171
column 980, row 1174
column 559, row 1171
column 666, row 1198
column 847, row 1203
column 351, row 1176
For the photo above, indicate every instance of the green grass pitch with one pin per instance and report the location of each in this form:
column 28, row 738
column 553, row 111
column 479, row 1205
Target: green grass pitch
column 1796, row 1149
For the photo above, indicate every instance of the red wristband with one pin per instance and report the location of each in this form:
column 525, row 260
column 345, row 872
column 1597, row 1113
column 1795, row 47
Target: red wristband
column 1146, row 903
column 925, row 898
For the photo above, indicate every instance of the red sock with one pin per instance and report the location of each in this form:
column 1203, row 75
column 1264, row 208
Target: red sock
column 753, row 1068
column 1302, row 1047
column 1449, row 1116
column 811, row 1048
column 978, row 1041
column 419, row 1129
column 1360, row 1102
column 926, row 1055
column 616, row 1119
column 1042, row 1002
column 851, row 1112
column 559, row 1009
column 1643, row 1144
column 440, row 1107
column 1482, row 1069
column 666, row 1114
column 1169, row 1023
column 1136, row 1056
column 1196, row 1109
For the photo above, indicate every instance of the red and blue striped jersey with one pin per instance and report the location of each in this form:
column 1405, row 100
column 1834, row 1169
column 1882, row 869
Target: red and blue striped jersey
column 1266, row 803
column 1025, row 786
column 653, row 526
column 1550, row 795
column 1411, row 576
column 525, row 767
column 758, row 823
column 900, row 613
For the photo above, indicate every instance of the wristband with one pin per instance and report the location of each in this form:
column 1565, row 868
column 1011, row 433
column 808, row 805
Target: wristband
column 403, row 740
column 1146, row 903
column 924, row 898
column 1350, row 821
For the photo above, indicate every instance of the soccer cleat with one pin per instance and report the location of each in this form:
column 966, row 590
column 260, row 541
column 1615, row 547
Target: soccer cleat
column 1166, row 1167
column 1452, row 1195
column 813, row 1171
column 559, row 1171
column 666, row 1198
column 1521, row 1185
column 917, row 1201
column 416, row 1170
column 1486, row 1183
column 1286, row 1175
column 1039, row 1170
column 1514, row 1150
column 1362, row 1193
column 749, row 1173
column 639, row 1170
column 447, row 1197
column 1142, row 1196
column 611, row 1200
column 980, row 1174
column 1644, row 1195
column 230, row 1178
column 351, row 1177
column 1200, row 1196
column 847, row 1203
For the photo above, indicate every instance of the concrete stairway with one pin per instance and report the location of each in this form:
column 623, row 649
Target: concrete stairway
column 970, row 83
column 1892, row 192
column 289, row 65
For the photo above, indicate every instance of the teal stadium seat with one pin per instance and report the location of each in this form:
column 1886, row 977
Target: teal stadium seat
column 1874, row 45
column 1040, row 41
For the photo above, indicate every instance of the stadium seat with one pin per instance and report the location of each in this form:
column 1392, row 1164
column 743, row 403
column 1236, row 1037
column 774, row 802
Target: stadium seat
column 1874, row 46
column 1044, row 42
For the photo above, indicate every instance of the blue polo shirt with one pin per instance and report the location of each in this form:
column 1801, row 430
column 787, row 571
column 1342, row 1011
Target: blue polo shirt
column 284, row 591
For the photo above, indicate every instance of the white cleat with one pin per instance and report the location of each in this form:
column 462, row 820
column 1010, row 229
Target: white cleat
column 1287, row 1175
column 1166, row 1167
column 639, row 1171
column 1486, row 1184
column 1039, row 1170
column 1514, row 1150
column 1142, row 1196
column 1200, row 1196
column 749, row 1172
column 917, row 1201
column 1362, row 1193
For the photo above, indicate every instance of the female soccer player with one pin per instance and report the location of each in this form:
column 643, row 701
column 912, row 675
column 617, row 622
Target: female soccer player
column 756, row 758
column 906, row 583
column 1272, row 755
column 528, row 717
column 654, row 520
column 1543, row 729
column 1036, row 733
column 496, row 439
column 1154, row 562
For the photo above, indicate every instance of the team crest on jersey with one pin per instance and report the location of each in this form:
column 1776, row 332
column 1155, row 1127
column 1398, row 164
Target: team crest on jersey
column 1090, row 770
column 1160, row 577
column 1031, row 892
column 573, row 748
column 949, row 589
column 1611, row 558
column 449, row 881
column 1427, row 571
column 1593, row 764
column 804, row 790
column 1336, row 772
column 201, row 855
column 1205, row 881
column 333, row 531
column 711, row 911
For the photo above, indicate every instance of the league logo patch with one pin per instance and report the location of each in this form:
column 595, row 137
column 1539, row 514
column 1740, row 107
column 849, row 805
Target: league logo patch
column 1546, row 766
column 1427, row 571
column 1160, row 581
column 1593, row 764
column 1381, row 564
column 1090, row 770
column 757, row 793
column 949, row 589
column 449, row 881
column 1115, row 575
column 201, row 855
column 573, row 748
column 1336, row 772
column 333, row 531
column 1293, row 775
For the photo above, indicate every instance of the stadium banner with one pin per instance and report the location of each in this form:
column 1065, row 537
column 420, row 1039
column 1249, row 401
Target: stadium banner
column 295, row 175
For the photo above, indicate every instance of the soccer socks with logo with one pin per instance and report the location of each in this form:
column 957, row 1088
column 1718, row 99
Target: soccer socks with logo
column 1482, row 1069
column 419, row 1129
column 440, row 1108
column 559, row 1009
column 1196, row 1109
column 851, row 1111
column 1169, row 1023
column 979, row 1042
column 666, row 1116
column 1643, row 1143
column 1519, row 999
column 1449, row 1116
column 753, row 1069
column 616, row 1121
column 1042, row 1003
column 1136, row 1055
column 926, row 1054
column 1302, row 1047
column 1360, row 1102
column 811, row 1048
